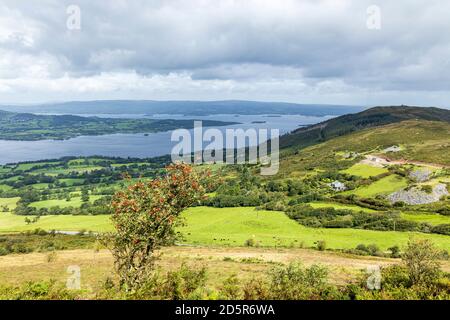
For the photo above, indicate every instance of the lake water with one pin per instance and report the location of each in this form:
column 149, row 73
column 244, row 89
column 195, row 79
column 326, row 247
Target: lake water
column 137, row 145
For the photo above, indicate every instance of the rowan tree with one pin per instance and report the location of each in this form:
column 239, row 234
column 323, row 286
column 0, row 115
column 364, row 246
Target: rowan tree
column 144, row 217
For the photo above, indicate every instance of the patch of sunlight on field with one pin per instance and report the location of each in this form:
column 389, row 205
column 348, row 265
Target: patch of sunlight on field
column 10, row 223
column 74, row 202
column 5, row 187
column 233, row 226
column 432, row 218
column 364, row 170
column 339, row 206
column 10, row 203
column 383, row 186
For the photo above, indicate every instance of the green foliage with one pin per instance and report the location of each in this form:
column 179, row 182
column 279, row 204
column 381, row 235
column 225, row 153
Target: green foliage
column 43, row 290
column 321, row 245
column 41, row 241
column 421, row 260
column 427, row 188
column 295, row 282
column 250, row 242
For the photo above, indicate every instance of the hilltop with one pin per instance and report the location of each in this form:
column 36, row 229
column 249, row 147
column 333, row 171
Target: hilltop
column 373, row 117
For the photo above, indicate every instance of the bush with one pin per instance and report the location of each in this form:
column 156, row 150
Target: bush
column 3, row 251
column 421, row 260
column 441, row 229
column 256, row 289
column 427, row 189
column 321, row 245
column 42, row 290
column 231, row 289
column 295, row 282
column 250, row 242
column 395, row 251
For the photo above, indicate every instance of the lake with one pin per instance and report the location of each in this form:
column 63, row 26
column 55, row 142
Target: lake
column 138, row 145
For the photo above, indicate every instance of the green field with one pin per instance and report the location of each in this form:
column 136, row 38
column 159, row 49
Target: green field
column 5, row 187
column 71, row 181
column 431, row 218
column 364, row 170
column 232, row 227
column 10, row 223
column 74, row 202
column 78, row 169
column 339, row 206
column 383, row 186
column 9, row 202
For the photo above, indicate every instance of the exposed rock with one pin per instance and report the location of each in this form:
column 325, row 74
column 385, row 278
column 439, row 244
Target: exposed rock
column 415, row 196
column 420, row 175
column 392, row 149
column 350, row 155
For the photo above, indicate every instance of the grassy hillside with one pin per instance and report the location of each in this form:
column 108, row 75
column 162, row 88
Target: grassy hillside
column 349, row 123
column 425, row 141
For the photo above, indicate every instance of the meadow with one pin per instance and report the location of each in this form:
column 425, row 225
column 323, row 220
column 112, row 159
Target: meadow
column 339, row 206
column 233, row 227
column 431, row 218
column 73, row 202
column 383, row 186
column 364, row 170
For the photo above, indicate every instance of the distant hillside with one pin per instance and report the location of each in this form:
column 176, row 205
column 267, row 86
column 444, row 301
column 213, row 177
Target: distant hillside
column 192, row 108
column 27, row 126
column 374, row 117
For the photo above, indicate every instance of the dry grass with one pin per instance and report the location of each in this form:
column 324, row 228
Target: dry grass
column 220, row 262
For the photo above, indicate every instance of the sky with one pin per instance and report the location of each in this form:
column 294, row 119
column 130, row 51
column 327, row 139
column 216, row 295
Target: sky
column 305, row 51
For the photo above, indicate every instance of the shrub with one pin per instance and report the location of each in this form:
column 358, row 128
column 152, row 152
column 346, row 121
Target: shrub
column 250, row 242
column 256, row 289
column 441, row 229
column 421, row 260
column 321, row 245
column 231, row 289
column 43, row 290
column 395, row 251
column 427, row 188
column 3, row 251
column 295, row 282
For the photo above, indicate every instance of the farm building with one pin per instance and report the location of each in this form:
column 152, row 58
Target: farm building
column 337, row 186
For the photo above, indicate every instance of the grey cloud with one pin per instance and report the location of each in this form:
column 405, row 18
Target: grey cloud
column 300, row 41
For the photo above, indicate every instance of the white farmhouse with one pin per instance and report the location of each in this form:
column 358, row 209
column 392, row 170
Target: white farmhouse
column 337, row 186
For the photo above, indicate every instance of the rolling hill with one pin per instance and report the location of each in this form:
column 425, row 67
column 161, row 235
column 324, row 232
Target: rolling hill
column 374, row 117
column 421, row 140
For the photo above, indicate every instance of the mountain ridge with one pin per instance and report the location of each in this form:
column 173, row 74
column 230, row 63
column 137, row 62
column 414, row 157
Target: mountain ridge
column 186, row 107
